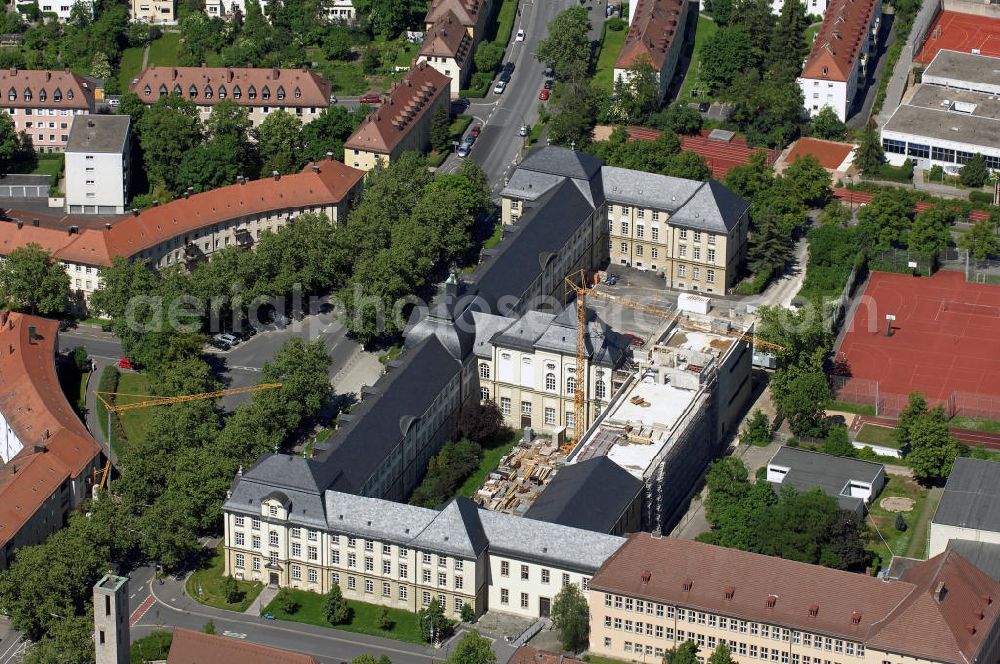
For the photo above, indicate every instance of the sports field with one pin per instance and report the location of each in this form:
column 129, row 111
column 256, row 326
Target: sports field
column 960, row 32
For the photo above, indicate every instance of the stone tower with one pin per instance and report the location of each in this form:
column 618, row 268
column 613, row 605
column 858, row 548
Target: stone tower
column 111, row 628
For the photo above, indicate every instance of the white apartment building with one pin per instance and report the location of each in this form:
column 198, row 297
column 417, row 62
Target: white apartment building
column 154, row 12
column 281, row 529
column 98, row 164
column 227, row 8
column 61, row 8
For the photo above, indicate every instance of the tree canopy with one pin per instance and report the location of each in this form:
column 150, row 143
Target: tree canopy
column 571, row 617
column 31, row 281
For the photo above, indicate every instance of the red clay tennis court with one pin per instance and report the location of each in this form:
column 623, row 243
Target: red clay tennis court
column 946, row 337
column 960, row 32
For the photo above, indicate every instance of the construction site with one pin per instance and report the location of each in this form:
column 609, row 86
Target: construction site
column 523, row 473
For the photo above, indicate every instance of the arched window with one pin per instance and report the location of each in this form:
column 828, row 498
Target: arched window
column 281, row 92
column 484, row 370
column 12, row 94
column 550, row 382
column 147, row 90
column 177, row 89
column 237, row 93
column 251, row 92
column 57, row 95
column 42, row 95
column 27, row 94
column 192, row 91
column 208, row 92
column 222, row 92
column 265, row 92
column 571, row 385
column 298, row 93
column 163, row 89
column 69, row 95
column 600, row 391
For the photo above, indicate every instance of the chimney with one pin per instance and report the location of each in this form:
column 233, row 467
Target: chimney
column 174, row 74
column 187, row 193
column 13, row 469
column 90, row 123
column 40, row 449
column 156, row 203
column 229, row 75
column 276, row 175
column 329, row 155
column 20, row 224
column 243, row 180
column 135, row 212
column 315, row 168
column 34, row 222
column 32, row 334
column 3, row 317
column 13, row 71
column 48, row 76
column 107, row 227
column 646, row 576
column 73, row 230
column 275, row 73
column 940, row 592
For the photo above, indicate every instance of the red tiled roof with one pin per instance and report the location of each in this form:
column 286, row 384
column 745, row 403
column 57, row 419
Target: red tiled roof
column 25, row 484
column 448, row 38
column 721, row 156
column 651, row 36
column 75, row 91
column 301, row 87
column 400, row 111
column 840, row 39
column 329, row 183
column 190, row 647
column 529, row 655
column 830, row 154
column 898, row 616
column 467, row 11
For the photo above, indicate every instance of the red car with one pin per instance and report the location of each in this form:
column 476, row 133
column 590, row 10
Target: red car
column 476, row 130
column 125, row 363
column 634, row 340
column 544, row 94
column 370, row 98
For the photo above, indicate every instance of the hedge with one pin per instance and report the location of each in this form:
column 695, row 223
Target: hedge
column 755, row 284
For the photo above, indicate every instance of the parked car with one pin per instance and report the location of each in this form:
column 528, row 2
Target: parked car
column 218, row 344
column 464, row 149
column 520, row 35
column 126, row 363
column 504, row 76
column 548, row 72
column 544, row 94
column 499, row 87
column 230, row 339
column 469, row 140
column 524, row 130
column 610, row 279
column 548, row 84
column 370, row 98
column 476, row 130
column 508, row 67
column 704, row 106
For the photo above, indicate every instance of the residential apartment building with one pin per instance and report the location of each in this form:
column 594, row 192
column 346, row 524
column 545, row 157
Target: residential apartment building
column 62, row 9
column 260, row 91
column 447, row 48
column 98, row 156
column 43, row 103
column 341, row 11
column 837, row 66
column 655, row 593
column 191, row 228
column 472, row 14
column 49, row 456
column 154, row 12
column 281, row 528
column 656, row 38
column 228, row 8
column 694, row 233
column 402, row 122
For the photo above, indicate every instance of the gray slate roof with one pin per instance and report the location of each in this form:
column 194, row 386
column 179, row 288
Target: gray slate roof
column 971, row 496
column 984, row 555
column 456, row 530
column 591, row 495
column 811, row 470
column 288, row 476
column 563, row 162
column 487, row 325
column 98, row 133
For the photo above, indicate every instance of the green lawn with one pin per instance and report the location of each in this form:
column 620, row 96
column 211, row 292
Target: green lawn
column 611, row 46
column 884, row 521
column 135, row 422
column 347, row 78
column 164, row 51
column 205, row 585
column 495, row 237
column 704, row 30
column 310, row 611
column 857, row 409
column 597, row 659
column 502, row 26
column 130, row 66
column 877, row 435
column 49, row 164
column 492, row 453
column 459, row 125
column 811, row 33
column 152, row 648
column 986, row 426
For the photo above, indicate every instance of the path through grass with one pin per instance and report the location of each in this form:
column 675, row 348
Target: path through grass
column 705, row 29
column 164, row 52
column 611, row 46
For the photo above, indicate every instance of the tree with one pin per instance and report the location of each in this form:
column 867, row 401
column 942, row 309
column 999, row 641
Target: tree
column 479, row 421
column 285, row 601
column 685, row 653
column 229, row 126
column 932, row 448
column 975, row 172
column 383, row 620
column 721, row 654
column 335, row 608
column 720, row 10
column 231, row 590
column 327, row 132
column 571, row 617
column 808, row 180
column 472, row 649
column 828, row 126
column 100, row 67
column 835, row 213
column 884, row 222
column 688, row 165
column 468, row 613
column 788, row 48
column 567, row 47
column 167, row 130
column 801, row 397
column 30, row 280
column 387, row 18
column 637, row 93
column 769, row 249
column 69, row 640
column 900, row 523
column 573, row 114
column 441, row 130
column 838, row 443
column 751, row 178
column 756, row 18
column 81, row 359
column 488, row 56
column 930, row 233
column 757, row 431
column 678, row 118
column 869, row 156
column 980, row 239
column 209, row 627
column 279, row 139
column 724, row 55
column 434, row 626
column 209, row 166
column 916, row 406
column 337, row 43
column 9, row 143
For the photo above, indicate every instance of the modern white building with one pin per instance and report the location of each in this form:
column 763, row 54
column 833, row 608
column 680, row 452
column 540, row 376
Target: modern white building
column 61, row 8
column 281, row 529
column 970, row 507
column 97, row 164
column 951, row 116
column 852, row 482
column 837, row 66
column 226, row 8
column 813, row 7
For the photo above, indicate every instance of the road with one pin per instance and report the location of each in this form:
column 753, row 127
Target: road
column 499, row 146
column 783, row 290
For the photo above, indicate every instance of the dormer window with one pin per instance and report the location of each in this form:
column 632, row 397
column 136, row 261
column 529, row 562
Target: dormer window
column 272, row 510
column 298, row 93
column 69, row 95
column 222, row 92
column 814, row 610
column 237, row 93
column 771, row 601
column 208, row 92
column 265, row 92
column 192, row 91
column 163, row 89
column 42, row 95
column 826, row 71
column 177, row 89
column 147, row 90
column 27, row 94
column 57, row 95
column 251, row 92
column 12, row 94
column 281, row 92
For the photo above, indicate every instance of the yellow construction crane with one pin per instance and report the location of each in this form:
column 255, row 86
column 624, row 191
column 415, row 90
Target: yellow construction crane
column 576, row 284
column 152, row 400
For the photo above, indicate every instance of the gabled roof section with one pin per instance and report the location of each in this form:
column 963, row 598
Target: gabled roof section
column 456, row 529
column 554, row 160
column 713, row 207
column 285, row 87
column 467, row 11
column 402, row 107
column 28, row 85
column 592, row 495
column 840, row 40
column 448, row 38
column 190, row 647
column 655, row 27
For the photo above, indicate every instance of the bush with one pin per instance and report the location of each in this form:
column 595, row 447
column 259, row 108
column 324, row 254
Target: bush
column 468, row 613
column 616, row 24
column 286, row 601
column 335, row 608
column 446, row 471
column 902, row 173
column 231, row 590
column 383, row 621
column 81, row 359
column 209, row 627
column 479, row 422
column 757, row 431
column 755, row 284
column 981, row 197
column 900, row 522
